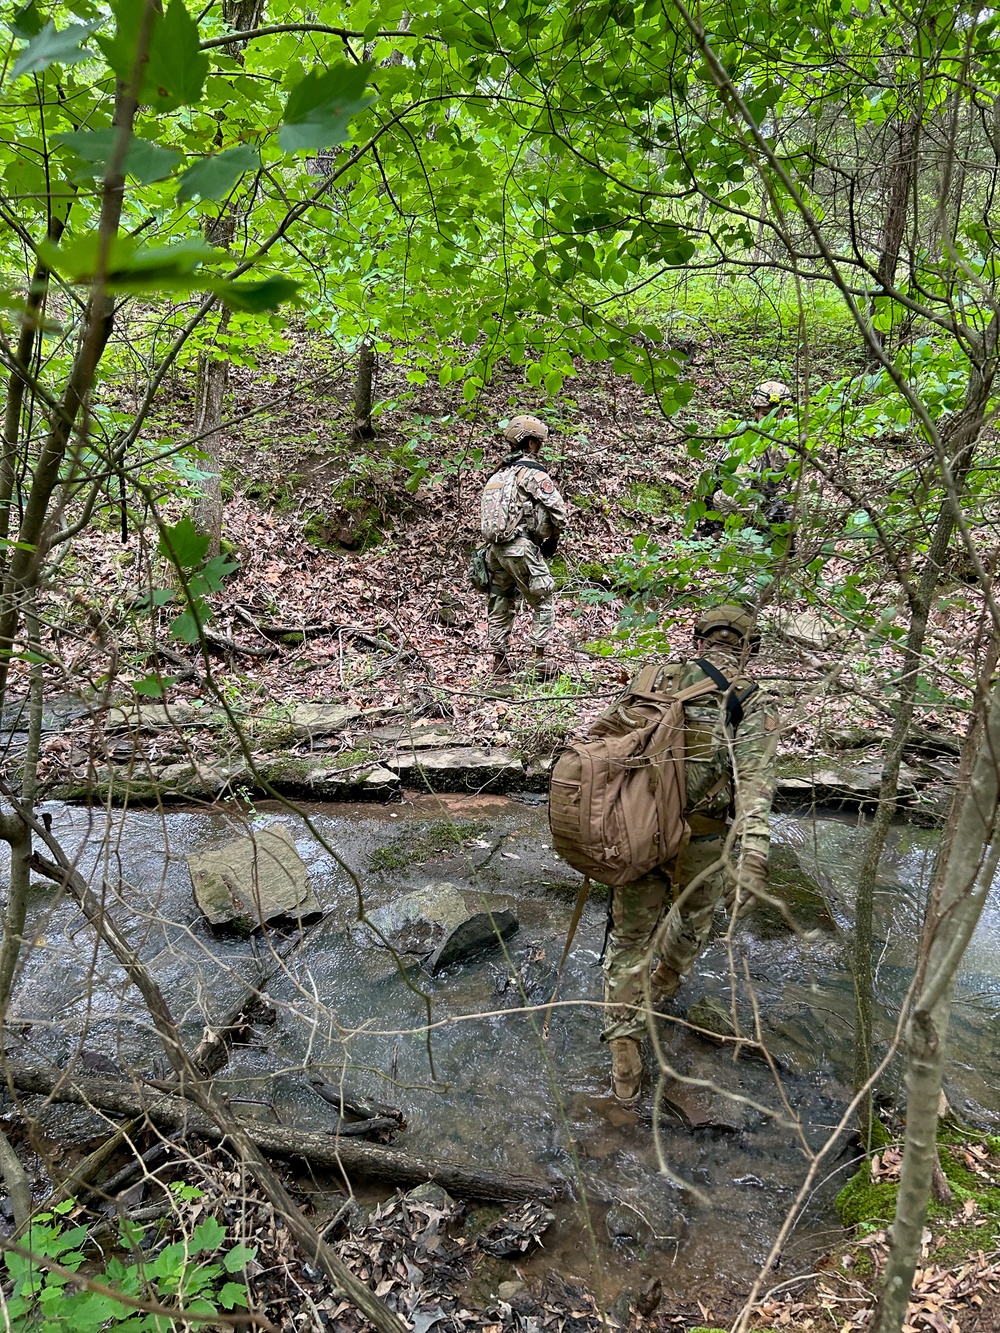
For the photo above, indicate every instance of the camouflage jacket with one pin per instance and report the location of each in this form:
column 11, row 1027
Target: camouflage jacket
column 725, row 773
column 543, row 509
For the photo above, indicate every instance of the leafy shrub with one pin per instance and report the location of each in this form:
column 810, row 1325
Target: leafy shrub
column 175, row 1276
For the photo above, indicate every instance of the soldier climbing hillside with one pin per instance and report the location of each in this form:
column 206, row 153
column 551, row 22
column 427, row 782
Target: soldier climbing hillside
column 522, row 517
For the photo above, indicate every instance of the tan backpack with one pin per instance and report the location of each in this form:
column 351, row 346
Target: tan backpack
column 617, row 799
column 501, row 509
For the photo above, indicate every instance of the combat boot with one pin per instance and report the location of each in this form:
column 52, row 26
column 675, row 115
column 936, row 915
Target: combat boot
column 664, row 983
column 626, row 1068
column 543, row 671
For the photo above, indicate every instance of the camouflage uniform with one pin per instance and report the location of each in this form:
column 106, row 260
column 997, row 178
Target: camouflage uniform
column 518, row 568
column 770, row 507
column 638, row 927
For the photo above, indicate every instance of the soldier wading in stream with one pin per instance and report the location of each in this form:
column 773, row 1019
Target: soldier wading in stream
column 668, row 801
column 522, row 517
column 729, row 777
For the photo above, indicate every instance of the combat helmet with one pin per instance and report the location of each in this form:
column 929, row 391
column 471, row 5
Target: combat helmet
column 771, row 394
column 523, row 428
column 733, row 624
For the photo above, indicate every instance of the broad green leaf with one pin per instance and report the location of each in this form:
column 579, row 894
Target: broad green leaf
column 183, row 544
column 214, row 177
column 207, row 1235
column 254, row 297
column 238, row 1257
column 175, row 72
column 232, row 1294
column 215, row 570
column 27, row 22
column 153, row 687
column 145, row 161
column 129, row 267
column 186, row 627
column 319, row 108
column 50, row 47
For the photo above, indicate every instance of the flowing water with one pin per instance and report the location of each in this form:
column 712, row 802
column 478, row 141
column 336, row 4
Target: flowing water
column 462, row 1054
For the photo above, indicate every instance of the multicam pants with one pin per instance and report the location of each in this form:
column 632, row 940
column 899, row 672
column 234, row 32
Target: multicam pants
column 637, row 911
column 519, row 569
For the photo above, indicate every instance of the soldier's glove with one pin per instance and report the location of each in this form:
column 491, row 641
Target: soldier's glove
column 549, row 545
column 747, row 881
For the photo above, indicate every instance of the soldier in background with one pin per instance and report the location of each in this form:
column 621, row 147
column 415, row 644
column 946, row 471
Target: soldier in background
column 522, row 518
column 773, row 506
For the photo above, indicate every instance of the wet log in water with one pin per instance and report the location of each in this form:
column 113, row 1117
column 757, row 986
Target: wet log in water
column 330, row 1151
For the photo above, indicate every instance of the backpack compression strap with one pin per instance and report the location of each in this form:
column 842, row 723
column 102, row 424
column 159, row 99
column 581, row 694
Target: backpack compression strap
column 734, row 700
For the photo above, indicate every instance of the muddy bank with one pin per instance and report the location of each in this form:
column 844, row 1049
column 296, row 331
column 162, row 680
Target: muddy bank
column 148, row 753
column 461, row 1053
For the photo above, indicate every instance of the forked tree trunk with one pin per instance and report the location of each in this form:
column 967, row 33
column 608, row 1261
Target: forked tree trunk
column 902, row 173
column 962, row 883
column 966, row 428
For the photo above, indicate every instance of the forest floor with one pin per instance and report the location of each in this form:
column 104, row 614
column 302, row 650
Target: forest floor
column 349, row 544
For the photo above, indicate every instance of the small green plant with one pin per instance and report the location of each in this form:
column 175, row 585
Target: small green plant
column 179, row 1276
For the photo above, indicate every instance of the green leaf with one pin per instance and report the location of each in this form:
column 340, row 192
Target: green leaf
column 183, row 544
column 214, row 177
column 27, row 22
column 232, row 1293
column 238, row 1257
column 207, row 1235
column 49, row 47
column 254, row 297
column 145, row 161
column 319, row 108
column 129, row 267
column 175, row 72
column 216, row 570
column 153, row 687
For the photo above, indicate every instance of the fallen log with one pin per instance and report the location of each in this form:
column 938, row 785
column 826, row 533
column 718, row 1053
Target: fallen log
column 331, row 1151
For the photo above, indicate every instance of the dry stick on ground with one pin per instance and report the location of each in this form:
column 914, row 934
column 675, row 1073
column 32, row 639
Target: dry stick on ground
column 199, row 1090
column 329, row 1151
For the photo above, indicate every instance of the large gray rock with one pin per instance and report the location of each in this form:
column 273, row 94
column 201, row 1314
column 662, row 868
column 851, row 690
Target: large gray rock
column 321, row 719
column 417, row 922
column 438, row 736
column 457, row 769
column 471, row 938
column 157, row 717
column 808, row 629
column 253, row 880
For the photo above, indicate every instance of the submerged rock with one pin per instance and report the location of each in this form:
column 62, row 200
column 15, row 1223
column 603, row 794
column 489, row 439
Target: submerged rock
column 703, row 1108
column 472, row 937
column 253, row 881
column 654, row 1219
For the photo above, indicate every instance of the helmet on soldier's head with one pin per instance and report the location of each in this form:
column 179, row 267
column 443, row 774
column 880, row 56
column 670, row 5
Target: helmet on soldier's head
column 730, row 624
column 520, row 429
column 772, row 393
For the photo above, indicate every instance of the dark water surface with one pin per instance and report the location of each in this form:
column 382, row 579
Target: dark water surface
column 481, row 1086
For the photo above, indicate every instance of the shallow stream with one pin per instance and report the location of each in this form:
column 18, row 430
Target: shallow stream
column 481, row 1086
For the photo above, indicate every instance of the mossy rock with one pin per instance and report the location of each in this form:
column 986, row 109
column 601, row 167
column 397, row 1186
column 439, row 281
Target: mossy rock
column 418, row 842
column 864, row 1200
column 650, row 499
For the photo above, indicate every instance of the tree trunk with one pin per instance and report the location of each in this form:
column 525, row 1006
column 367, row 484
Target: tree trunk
column 213, row 379
column 966, row 428
column 962, row 883
column 331, row 1152
column 363, row 390
column 902, row 173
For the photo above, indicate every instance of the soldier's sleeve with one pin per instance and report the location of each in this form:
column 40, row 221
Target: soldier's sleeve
column 543, row 489
column 753, row 752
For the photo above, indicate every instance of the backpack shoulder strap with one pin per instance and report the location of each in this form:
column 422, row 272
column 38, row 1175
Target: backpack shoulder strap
column 734, row 698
